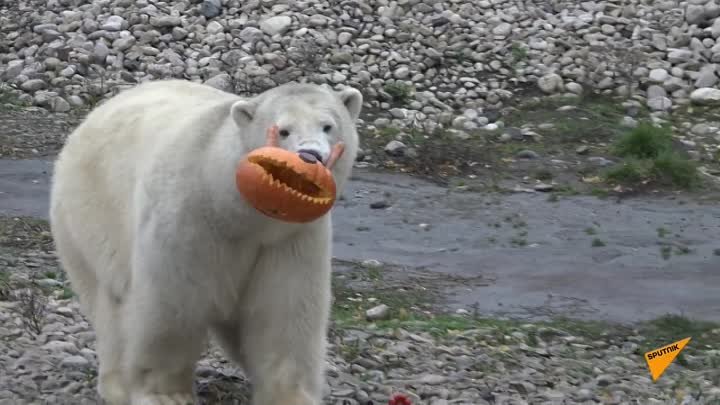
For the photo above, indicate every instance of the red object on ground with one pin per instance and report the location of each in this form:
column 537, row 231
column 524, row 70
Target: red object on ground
column 399, row 399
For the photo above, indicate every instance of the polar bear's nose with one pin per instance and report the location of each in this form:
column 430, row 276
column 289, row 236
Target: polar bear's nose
column 310, row 155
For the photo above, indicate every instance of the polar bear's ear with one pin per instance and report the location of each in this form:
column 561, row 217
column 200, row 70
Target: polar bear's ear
column 243, row 111
column 352, row 99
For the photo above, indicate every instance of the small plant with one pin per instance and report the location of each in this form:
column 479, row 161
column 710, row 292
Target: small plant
column 590, row 230
column 352, row 351
column 543, row 175
column 631, row 171
column 9, row 100
column 519, row 224
column 518, row 241
column 650, row 157
column 599, row 192
column 32, row 307
column 671, row 168
column 668, row 169
column 666, row 252
column 374, row 273
column 662, row 232
column 598, row 243
column 645, row 141
column 519, row 52
column 67, row 293
column 5, row 286
column 532, row 339
column 400, row 92
column 671, row 327
column 388, row 132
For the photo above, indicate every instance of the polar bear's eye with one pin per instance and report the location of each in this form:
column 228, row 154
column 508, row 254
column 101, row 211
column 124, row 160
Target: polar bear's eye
column 284, row 133
column 327, row 128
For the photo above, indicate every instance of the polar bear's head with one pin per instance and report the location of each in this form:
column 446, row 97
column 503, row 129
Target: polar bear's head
column 310, row 118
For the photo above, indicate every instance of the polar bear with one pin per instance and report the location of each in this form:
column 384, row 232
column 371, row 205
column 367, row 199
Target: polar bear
column 163, row 252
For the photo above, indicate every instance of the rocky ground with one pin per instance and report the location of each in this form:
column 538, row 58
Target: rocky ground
column 388, row 336
column 492, row 96
column 452, row 88
column 434, row 56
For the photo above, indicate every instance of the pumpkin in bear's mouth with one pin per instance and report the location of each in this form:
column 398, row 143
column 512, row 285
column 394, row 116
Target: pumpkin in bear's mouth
column 281, row 184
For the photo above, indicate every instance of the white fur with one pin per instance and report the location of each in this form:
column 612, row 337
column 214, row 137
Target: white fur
column 161, row 248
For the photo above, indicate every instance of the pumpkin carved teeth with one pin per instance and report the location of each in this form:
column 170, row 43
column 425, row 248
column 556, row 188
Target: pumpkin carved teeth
column 280, row 175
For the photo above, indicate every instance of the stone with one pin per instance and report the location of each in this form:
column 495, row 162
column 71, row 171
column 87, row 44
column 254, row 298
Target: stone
column 377, row 313
column 659, row 75
column 222, row 82
column 527, row 154
column 550, row 83
column 403, row 72
column 715, row 29
column 342, row 58
column 211, row 8
column 502, row 30
column 680, row 55
column 344, row 38
column 166, row 21
column 707, row 76
column 318, row 20
column 58, row 104
column 277, row 25
column 659, row 104
column 113, row 23
column 395, row 148
column 655, row 91
column 74, row 362
column 214, row 28
column 706, row 96
column 33, row 85
column 574, row 88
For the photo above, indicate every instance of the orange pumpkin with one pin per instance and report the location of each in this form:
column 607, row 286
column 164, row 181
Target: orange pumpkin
column 282, row 185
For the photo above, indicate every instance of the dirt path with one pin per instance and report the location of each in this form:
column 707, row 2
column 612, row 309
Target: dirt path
column 519, row 255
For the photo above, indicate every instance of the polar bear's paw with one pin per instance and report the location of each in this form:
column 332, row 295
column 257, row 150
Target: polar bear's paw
column 169, row 399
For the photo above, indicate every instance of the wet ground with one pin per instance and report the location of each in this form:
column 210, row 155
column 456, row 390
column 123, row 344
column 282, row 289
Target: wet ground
column 519, row 255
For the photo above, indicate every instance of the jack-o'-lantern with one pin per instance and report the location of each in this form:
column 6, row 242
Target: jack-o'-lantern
column 286, row 185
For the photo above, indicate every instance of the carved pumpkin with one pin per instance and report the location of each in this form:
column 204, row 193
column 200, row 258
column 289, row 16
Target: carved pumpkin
column 282, row 185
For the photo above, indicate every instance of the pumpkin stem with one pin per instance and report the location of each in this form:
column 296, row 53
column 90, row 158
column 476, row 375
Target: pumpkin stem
column 337, row 151
column 273, row 136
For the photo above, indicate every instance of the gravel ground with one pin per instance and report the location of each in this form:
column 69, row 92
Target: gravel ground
column 432, row 57
column 409, row 345
column 33, row 132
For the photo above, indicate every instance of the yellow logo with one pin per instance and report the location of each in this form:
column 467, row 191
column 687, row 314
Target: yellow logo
column 659, row 359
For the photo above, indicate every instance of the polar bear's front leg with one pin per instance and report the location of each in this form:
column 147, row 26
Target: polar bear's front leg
column 284, row 328
column 165, row 319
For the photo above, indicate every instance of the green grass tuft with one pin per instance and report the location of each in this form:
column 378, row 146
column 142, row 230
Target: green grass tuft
column 645, row 141
column 628, row 172
column 649, row 157
column 672, row 169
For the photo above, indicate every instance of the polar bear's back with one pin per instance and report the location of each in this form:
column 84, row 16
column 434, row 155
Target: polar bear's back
column 96, row 173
